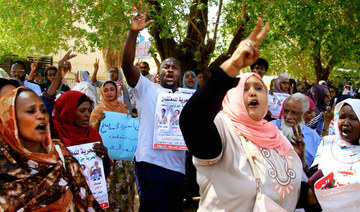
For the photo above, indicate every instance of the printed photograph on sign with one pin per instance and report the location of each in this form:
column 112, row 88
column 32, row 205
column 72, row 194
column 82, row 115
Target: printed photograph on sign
column 167, row 133
column 93, row 170
column 275, row 103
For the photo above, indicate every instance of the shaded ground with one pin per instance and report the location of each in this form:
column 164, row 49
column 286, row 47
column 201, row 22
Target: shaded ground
column 188, row 207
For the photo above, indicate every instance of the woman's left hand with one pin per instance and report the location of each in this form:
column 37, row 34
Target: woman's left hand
column 329, row 114
column 247, row 52
column 101, row 117
column 101, row 151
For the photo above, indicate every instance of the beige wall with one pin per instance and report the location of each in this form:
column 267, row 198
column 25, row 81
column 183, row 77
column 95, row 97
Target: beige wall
column 86, row 62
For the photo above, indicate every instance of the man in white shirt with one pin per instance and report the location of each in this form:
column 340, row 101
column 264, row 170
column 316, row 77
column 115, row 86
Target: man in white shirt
column 160, row 173
column 18, row 70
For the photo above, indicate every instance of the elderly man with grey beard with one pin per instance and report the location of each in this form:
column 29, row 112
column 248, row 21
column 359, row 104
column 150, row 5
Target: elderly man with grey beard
column 292, row 125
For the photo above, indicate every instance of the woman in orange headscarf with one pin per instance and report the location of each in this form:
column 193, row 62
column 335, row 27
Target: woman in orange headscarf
column 37, row 173
column 121, row 184
column 109, row 90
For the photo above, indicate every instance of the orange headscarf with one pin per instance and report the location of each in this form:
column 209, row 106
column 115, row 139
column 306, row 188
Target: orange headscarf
column 37, row 181
column 112, row 105
column 261, row 133
column 10, row 134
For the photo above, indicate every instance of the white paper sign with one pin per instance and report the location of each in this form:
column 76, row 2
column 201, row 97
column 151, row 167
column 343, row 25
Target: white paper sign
column 167, row 133
column 275, row 102
column 343, row 198
column 142, row 50
column 93, row 170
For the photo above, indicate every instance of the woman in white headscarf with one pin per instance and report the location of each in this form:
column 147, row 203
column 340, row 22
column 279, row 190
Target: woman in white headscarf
column 340, row 154
column 84, row 85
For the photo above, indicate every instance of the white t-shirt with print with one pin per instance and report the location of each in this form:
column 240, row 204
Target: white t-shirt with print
column 146, row 94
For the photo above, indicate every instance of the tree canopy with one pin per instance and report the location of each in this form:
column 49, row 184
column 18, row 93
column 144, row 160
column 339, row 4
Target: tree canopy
column 311, row 38
column 307, row 39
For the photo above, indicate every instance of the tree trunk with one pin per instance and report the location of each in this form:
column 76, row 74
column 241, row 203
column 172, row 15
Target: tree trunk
column 195, row 42
column 112, row 57
column 322, row 73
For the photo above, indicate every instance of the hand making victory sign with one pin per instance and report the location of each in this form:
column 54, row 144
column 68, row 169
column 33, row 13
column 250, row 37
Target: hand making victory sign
column 139, row 22
column 247, row 52
column 64, row 64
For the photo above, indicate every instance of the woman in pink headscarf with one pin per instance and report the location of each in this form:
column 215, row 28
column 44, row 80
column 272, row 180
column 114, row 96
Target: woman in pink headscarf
column 219, row 139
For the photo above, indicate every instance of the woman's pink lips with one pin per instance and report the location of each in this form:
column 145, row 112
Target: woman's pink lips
column 253, row 106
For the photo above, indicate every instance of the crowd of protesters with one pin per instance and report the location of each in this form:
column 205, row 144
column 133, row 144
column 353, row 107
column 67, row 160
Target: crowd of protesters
column 249, row 147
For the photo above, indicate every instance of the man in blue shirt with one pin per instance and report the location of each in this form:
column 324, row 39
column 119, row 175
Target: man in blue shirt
column 293, row 111
column 18, row 70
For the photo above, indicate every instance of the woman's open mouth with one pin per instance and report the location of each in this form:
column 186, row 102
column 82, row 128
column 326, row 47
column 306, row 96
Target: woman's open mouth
column 41, row 128
column 346, row 131
column 253, row 103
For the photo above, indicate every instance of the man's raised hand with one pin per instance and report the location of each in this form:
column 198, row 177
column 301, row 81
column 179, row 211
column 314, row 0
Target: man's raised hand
column 139, row 22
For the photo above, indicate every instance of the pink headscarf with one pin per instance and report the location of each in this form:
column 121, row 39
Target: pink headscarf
column 312, row 103
column 261, row 133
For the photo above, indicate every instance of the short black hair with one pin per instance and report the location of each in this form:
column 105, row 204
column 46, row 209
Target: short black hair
column 47, row 69
column 145, row 63
column 18, row 62
column 261, row 62
column 4, row 82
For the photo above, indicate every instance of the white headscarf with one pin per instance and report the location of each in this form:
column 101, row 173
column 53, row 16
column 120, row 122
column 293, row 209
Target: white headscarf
column 322, row 82
column 85, row 86
column 355, row 105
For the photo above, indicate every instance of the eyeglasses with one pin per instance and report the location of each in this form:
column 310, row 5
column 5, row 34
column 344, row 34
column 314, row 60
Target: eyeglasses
column 285, row 82
column 52, row 75
column 113, row 72
column 18, row 71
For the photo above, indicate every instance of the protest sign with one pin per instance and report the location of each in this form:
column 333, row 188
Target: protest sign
column 142, row 50
column 342, row 198
column 93, row 170
column 275, row 102
column 119, row 133
column 167, row 133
